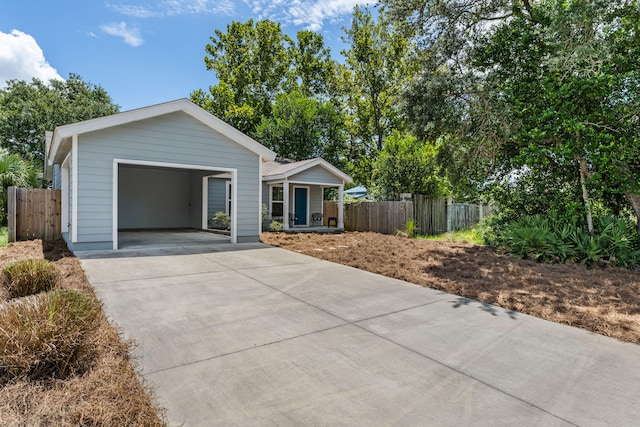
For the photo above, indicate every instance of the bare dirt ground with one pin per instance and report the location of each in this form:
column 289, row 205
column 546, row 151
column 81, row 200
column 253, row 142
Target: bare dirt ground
column 601, row 300
column 107, row 393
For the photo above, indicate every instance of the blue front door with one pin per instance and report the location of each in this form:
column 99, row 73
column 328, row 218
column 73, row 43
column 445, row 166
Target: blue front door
column 300, row 208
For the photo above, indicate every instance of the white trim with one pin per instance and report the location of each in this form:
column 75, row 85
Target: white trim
column 340, row 207
column 62, row 133
column 271, row 187
column 205, row 202
column 308, row 165
column 306, row 223
column 227, row 197
column 306, row 183
column 114, row 201
column 259, row 195
column 74, row 178
column 64, row 191
column 114, row 204
column 285, row 205
column 234, row 206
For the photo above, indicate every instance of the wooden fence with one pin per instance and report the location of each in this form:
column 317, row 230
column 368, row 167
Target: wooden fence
column 432, row 216
column 380, row 217
column 33, row 213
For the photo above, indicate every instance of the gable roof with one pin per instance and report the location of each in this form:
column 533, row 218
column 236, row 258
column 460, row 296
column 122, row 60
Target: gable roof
column 66, row 132
column 284, row 168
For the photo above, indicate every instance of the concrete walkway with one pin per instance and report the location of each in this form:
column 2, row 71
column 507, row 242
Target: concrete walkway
column 253, row 335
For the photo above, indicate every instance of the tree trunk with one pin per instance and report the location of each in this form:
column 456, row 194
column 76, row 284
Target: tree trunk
column 585, row 194
column 634, row 201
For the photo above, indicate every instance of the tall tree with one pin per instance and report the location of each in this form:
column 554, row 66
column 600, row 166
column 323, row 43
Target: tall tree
column 252, row 62
column 377, row 64
column 406, row 165
column 303, row 128
column 314, row 71
column 544, row 89
column 28, row 109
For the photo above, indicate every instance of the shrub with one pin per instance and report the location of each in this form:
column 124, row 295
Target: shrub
column 45, row 335
column 29, row 276
column 221, row 219
column 553, row 238
column 276, row 226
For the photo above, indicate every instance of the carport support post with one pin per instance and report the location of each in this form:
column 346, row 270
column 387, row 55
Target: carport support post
column 285, row 205
column 341, row 206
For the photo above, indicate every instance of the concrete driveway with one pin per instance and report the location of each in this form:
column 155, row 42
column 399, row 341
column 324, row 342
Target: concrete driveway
column 253, row 335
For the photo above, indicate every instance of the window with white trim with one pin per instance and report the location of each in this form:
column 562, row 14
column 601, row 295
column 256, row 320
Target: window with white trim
column 277, row 202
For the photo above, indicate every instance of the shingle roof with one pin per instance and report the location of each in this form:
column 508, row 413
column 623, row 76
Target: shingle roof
column 281, row 166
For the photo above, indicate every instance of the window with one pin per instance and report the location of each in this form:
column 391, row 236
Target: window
column 277, row 202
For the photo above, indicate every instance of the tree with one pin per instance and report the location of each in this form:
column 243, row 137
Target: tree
column 406, row 165
column 16, row 172
column 546, row 90
column 376, row 68
column 27, row 110
column 314, row 71
column 303, row 128
column 252, row 62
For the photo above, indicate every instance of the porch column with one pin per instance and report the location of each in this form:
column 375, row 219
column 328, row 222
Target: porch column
column 341, row 206
column 285, row 205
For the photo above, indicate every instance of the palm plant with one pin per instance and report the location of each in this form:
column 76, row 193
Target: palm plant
column 16, row 172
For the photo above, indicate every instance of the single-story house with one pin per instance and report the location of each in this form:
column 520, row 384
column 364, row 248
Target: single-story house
column 170, row 166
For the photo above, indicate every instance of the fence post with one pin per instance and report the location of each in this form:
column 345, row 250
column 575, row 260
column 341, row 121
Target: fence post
column 11, row 213
column 449, row 210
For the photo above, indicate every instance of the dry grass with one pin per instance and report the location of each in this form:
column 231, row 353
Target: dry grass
column 47, row 335
column 29, row 277
column 102, row 389
column 601, row 300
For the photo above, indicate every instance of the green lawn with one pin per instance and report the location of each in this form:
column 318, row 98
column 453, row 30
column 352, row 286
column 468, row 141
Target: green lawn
column 468, row 235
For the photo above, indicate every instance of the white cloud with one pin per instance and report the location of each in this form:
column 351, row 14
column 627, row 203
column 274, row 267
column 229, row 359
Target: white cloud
column 175, row 7
column 302, row 13
column 22, row 59
column 131, row 36
column 92, row 34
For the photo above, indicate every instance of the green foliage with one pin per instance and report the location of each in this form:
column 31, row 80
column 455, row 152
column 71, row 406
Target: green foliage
column 46, row 335
column 27, row 110
column 537, row 87
column 29, row 276
column 376, row 67
column 468, row 235
column 14, row 171
column 301, row 128
column 558, row 239
column 276, row 226
column 406, row 165
column 254, row 62
column 221, row 219
column 4, row 236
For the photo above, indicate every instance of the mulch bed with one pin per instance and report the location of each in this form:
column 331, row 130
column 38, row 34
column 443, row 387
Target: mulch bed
column 601, row 300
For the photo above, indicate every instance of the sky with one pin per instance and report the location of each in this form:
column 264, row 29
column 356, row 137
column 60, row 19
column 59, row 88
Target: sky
column 142, row 52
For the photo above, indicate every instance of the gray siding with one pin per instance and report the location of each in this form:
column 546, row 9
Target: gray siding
column 315, row 201
column 316, row 174
column 217, row 196
column 173, row 138
column 56, row 183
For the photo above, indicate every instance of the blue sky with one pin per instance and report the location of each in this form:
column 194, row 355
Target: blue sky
column 142, row 52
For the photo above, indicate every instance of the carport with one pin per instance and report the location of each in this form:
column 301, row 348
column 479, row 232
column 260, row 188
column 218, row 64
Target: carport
column 163, row 197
